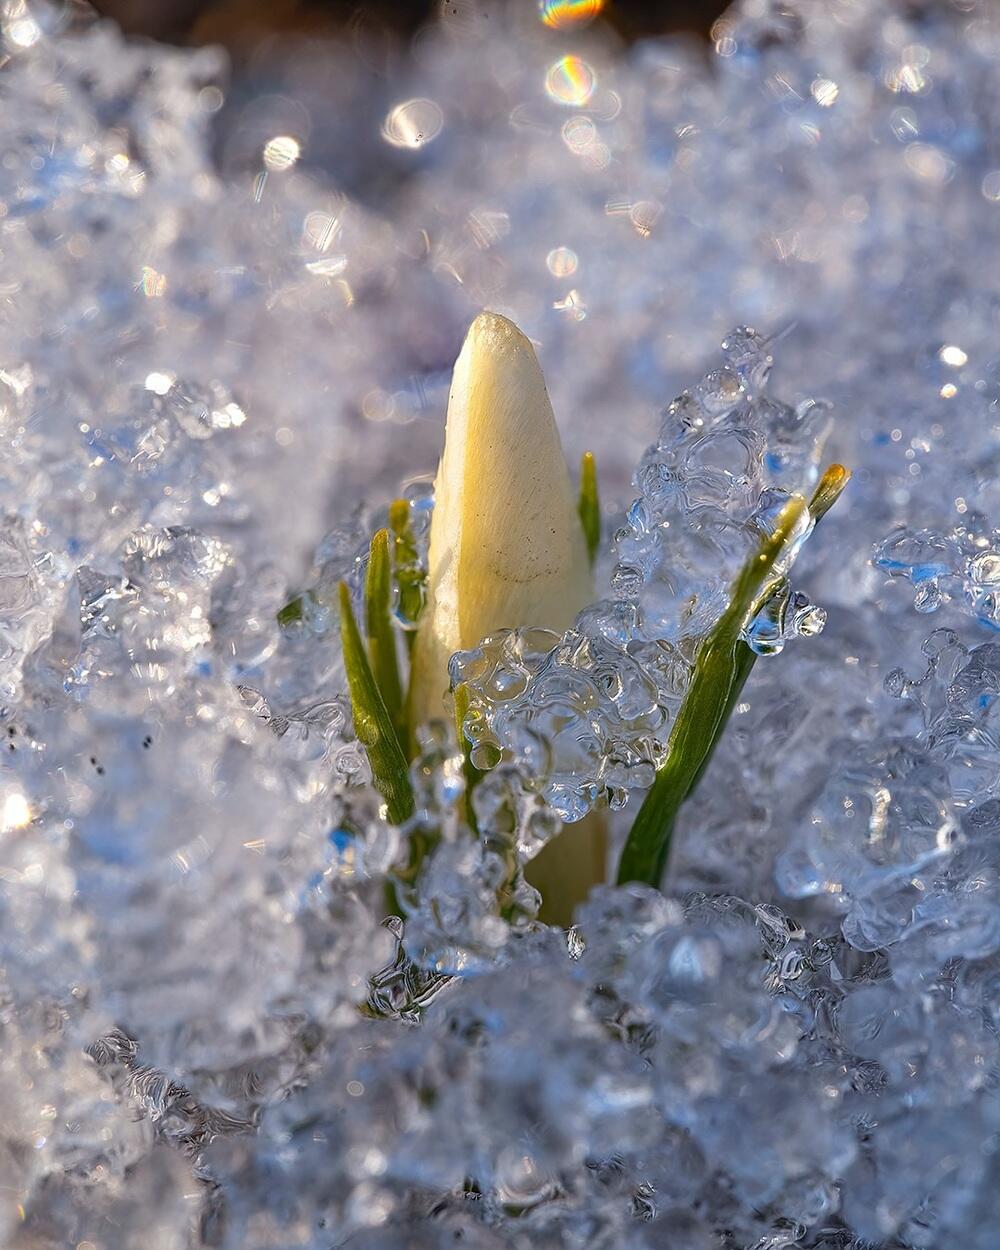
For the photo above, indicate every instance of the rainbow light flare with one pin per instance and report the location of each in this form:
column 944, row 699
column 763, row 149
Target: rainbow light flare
column 561, row 14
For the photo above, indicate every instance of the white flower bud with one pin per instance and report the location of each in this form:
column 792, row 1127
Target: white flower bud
column 506, row 544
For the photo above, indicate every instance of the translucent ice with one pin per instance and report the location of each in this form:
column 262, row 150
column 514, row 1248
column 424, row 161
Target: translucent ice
column 227, row 319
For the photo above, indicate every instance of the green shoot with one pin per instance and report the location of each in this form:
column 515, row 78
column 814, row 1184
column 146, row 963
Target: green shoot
column 406, row 567
column 722, row 668
column 372, row 722
column 702, row 714
column 828, row 490
column 380, row 632
column 291, row 613
column 589, row 505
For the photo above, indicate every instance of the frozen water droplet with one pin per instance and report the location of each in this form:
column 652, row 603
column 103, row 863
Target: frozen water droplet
column 783, row 615
column 746, row 352
column 719, row 392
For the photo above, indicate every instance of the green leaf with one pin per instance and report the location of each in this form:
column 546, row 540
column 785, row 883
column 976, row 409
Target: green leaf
column 380, row 633
column 703, row 711
column 372, row 722
column 828, row 490
column 721, row 671
column 589, row 505
column 407, row 569
column 291, row 612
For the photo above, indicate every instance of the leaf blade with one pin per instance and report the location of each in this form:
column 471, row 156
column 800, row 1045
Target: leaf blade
column 379, row 631
column 828, row 490
column 291, row 613
column 407, row 571
column 703, row 713
column 589, row 505
column 372, row 723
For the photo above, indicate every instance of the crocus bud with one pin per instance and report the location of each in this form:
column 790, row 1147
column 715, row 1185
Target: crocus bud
column 506, row 545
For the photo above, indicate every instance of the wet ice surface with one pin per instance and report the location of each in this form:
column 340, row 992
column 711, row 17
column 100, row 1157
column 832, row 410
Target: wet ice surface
column 208, row 1035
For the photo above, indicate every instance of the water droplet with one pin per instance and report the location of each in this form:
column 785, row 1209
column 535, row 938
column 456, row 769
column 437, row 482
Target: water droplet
column 720, row 391
column 784, row 614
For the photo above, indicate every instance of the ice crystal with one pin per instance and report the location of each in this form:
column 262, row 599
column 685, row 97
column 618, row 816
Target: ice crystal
column 227, row 318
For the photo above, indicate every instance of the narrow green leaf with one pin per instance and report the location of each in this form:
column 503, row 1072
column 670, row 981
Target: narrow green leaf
column 372, row 722
column 744, row 660
column 407, row 569
column 828, row 490
column 659, row 811
column 589, row 505
column 291, row 612
column 380, row 633
column 701, row 715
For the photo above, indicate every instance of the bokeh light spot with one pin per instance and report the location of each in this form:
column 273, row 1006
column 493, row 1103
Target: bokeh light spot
column 991, row 186
column 579, row 134
column 570, row 81
column 562, row 262
column 824, row 91
column 153, row 284
column 159, row 383
column 281, row 153
column 413, row 124
column 16, row 812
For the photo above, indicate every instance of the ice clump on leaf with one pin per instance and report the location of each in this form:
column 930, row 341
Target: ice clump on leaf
column 587, row 714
